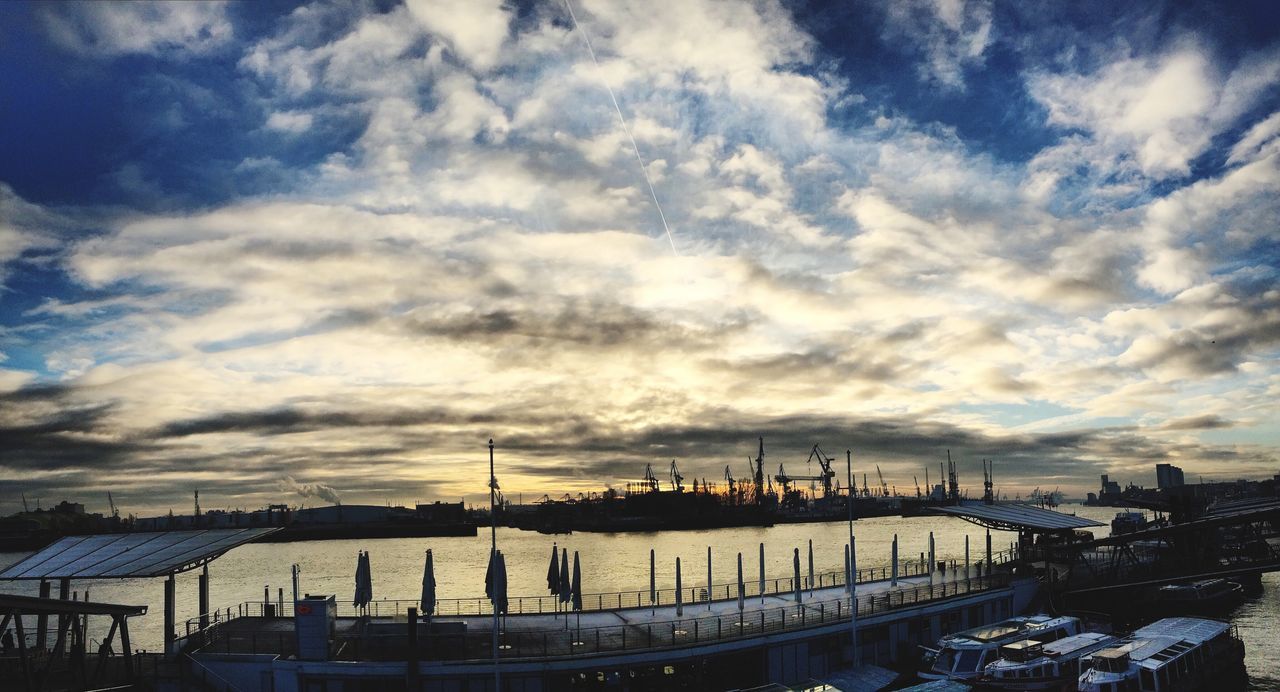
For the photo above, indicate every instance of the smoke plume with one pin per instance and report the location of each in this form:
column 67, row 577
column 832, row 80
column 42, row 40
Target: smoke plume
column 324, row 492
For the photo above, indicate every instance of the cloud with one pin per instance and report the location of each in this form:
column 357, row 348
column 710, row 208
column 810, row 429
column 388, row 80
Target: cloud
column 1208, row 421
column 452, row 241
column 950, row 35
column 474, row 31
column 289, row 121
column 114, row 29
column 1160, row 111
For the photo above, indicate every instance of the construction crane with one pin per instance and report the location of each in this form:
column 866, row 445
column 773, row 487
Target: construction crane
column 824, row 478
column 733, row 489
column 759, row 475
column 650, row 480
column 988, row 481
column 953, row 480
column 24, row 503
column 917, row 482
column 676, row 478
column 884, row 487
column 115, row 513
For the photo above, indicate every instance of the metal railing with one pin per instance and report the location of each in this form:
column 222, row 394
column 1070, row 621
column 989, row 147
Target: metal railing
column 613, row 600
column 476, row 644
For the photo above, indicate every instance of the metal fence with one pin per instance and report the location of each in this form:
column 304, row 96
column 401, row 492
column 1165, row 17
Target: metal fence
column 614, row 600
column 513, row 643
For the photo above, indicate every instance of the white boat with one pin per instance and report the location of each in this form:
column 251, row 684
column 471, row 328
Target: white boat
column 963, row 655
column 1170, row 655
column 1033, row 665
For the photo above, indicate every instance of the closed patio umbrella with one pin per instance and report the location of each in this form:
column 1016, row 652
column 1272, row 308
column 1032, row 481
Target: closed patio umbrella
column 429, row 588
column 810, row 565
column 500, row 584
column 491, row 574
column 553, row 577
column 576, row 584
column 553, row 572
column 795, row 562
column 653, row 582
column 368, row 580
column 742, row 587
column 566, row 588
column 679, row 592
column 357, row 599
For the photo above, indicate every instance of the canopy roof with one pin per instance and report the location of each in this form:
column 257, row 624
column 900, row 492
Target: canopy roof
column 31, row 605
column 1018, row 518
column 127, row 555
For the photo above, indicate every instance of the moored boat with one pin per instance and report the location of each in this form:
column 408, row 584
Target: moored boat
column 1203, row 597
column 963, row 655
column 1032, row 665
column 1179, row 654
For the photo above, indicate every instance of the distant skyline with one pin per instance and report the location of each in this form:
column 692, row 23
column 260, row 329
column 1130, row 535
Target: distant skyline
column 272, row 250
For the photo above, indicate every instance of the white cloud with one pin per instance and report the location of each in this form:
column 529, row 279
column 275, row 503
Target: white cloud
column 1161, row 111
column 474, row 29
column 114, row 28
column 289, row 121
column 952, row 35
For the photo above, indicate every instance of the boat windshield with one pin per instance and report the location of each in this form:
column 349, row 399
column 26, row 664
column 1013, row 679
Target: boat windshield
column 969, row 661
column 946, row 661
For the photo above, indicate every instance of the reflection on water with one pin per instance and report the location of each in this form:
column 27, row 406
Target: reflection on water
column 610, row 562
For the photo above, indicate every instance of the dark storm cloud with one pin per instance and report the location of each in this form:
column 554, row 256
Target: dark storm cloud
column 1210, row 421
column 285, row 421
column 586, row 325
column 45, row 428
column 1243, row 331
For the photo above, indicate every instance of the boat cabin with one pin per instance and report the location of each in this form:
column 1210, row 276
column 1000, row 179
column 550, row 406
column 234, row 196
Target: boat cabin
column 963, row 655
column 1170, row 655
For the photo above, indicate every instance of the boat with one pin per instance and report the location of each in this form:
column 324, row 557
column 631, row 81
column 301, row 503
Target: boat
column 1033, row 665
column 1176, row 654
column 1203, row 597
column 1128, row 522
column 963, row 655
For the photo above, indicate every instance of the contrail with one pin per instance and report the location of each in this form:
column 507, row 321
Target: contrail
column 643, row 168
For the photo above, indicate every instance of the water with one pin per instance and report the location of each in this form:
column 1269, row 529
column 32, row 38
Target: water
column 610, row 562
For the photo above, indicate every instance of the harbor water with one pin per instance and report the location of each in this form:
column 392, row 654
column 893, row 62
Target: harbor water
column 610, row 563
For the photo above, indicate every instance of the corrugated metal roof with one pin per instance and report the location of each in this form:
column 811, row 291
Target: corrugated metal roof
column 1018, row 516
column 1190, row 629
column 123, row 555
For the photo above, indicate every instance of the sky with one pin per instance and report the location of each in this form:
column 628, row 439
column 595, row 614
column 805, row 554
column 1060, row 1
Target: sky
column 286, row 252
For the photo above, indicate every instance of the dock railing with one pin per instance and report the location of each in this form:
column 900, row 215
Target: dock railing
column 595, row 602
column 517, row 644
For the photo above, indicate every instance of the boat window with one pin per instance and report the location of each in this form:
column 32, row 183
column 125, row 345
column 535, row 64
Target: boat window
column 1148, row 679
column 946, row 660
column 968, row 661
